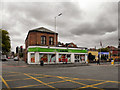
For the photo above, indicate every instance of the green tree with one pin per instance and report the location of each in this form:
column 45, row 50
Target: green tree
column 5, row 41
column 103, row 50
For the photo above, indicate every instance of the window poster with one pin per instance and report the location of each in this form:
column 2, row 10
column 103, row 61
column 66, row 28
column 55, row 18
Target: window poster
column 82, row 57
column 68, row 57
column 62, row 58
column 52, row 58
column 44, row 57
column 32, row 58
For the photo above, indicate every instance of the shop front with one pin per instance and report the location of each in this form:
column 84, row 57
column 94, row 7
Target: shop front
column 53, row 55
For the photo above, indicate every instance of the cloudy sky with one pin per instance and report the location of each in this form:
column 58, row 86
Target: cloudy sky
column 83, row 23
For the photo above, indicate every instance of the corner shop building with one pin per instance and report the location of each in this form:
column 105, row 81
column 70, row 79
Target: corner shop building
column 52, row 55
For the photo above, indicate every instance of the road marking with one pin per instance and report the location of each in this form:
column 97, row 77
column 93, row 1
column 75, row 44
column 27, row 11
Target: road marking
column 92, row 86
column 40, row 81
column 69, row 79
column 5, row 83
column 80, row 84
column 38, row 84
column 23, row 79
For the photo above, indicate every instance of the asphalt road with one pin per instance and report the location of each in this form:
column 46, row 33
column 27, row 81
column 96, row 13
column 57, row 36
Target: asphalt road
column 99, row 77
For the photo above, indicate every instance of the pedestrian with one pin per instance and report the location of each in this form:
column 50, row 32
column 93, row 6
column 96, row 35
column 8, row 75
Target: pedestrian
column 98, row 62
column 41, row 62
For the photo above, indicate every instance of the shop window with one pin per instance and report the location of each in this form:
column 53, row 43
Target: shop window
column 43, row 40
column 43, row 57
column 32, row 58
column 64, row 58
column 82, row 57
column 68, row 57
column 77, row 58
column 51, row 58
column 51, row 41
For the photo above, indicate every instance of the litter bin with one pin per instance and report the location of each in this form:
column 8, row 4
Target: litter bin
column 41, row 63
column 112, row 62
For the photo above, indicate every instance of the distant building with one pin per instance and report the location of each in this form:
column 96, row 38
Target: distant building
column 71, row 45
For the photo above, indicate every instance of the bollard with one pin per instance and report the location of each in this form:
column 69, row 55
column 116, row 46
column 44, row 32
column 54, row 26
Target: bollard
column 112, row 62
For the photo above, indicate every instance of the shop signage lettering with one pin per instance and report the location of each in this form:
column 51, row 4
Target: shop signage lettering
column 62, row 50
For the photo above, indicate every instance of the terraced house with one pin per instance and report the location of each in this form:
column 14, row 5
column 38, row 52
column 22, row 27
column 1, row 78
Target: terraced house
column 41, row 44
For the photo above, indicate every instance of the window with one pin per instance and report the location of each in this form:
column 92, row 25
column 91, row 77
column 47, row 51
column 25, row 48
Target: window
column 43, row 40
column 43, row 57
column 32, row 58
column 51, row 42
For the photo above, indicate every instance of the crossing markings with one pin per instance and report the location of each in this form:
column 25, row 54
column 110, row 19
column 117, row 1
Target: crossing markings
column 64, row 79
column 39, row 81
column 38, row 84
column 92, row 86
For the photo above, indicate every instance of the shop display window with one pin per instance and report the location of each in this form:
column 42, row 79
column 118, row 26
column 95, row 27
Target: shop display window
column 51, row 58
column 64, row 58
column 82, row 57
column 32, row 58
column 43, row 57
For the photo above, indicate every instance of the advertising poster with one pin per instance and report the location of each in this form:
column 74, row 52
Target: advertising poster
column 43, row 57
column 32, row 58
column 52, row 58
column 62, row 58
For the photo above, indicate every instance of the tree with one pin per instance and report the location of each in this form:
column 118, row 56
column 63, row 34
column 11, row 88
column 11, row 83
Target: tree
column 103, row 50
column 5, row 41
column 91, row 57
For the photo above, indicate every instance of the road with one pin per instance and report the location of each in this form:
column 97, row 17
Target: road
column 20, row 75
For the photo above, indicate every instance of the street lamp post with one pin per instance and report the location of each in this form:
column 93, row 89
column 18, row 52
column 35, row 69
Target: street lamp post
column 56, row 27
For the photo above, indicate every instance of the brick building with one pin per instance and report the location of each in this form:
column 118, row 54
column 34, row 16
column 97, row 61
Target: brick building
column 40, row 37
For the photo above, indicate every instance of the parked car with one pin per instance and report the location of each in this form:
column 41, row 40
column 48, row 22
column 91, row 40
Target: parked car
column 4, row 58
column 16, row 59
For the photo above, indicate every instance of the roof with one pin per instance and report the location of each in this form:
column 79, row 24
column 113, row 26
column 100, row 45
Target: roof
column 42, row 30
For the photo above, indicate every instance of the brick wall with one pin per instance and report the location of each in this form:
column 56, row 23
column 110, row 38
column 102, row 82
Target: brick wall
column 34, row 39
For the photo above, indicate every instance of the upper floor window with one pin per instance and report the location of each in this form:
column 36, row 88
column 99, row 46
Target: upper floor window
column 51, row 41
column 43, row 40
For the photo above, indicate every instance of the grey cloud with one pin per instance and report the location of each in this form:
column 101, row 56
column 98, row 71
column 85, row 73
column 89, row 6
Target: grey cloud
column 105, row 22
column 119, row 19
column 21, row 17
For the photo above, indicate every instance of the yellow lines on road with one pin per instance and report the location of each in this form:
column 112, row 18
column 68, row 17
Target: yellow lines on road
column 22, row 79
column 113, row 81
column 85, row 85
column 5, row 83
column 39, row 81
column 64, row 79
column 38, row 84
column 92, row 86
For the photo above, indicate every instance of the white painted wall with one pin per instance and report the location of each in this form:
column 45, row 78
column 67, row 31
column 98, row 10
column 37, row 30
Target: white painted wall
column 72, row 58
column 57, row 57
column 37, row 61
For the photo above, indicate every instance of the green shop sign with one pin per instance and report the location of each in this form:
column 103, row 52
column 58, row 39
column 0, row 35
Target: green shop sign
column 37, row 49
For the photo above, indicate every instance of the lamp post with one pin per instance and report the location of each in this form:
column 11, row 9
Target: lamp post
column 56, row 26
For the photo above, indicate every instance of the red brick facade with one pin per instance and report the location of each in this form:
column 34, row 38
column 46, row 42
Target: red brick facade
column 34, row 39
